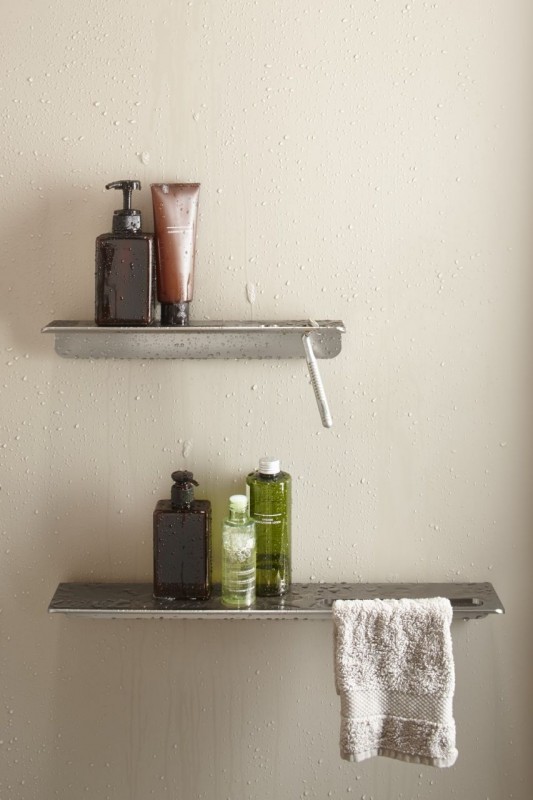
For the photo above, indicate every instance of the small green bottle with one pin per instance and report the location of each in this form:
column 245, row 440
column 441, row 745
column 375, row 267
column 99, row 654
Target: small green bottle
column 238, row 555
column 269, row 491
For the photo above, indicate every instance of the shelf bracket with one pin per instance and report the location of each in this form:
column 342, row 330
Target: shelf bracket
column 316, row 381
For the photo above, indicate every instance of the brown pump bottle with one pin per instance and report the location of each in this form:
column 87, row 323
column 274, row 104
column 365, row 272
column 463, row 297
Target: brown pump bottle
column 182, row 543
column 125, row 270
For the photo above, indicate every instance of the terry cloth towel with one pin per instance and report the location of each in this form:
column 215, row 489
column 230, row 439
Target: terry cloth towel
column 395, row 676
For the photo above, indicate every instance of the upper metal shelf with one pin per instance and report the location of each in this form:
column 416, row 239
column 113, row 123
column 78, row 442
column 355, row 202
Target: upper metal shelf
column 305, row 601
column 309, row 339
column 203, row 339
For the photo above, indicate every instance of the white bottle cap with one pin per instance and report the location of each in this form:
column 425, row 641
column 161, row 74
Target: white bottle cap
column 269, row 465
column 238, row 502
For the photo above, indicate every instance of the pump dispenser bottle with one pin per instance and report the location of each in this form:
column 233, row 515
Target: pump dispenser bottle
column 182, row 543
column 125, row 273
column 269, row 490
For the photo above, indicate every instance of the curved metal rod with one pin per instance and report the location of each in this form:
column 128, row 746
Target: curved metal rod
column 316, row 381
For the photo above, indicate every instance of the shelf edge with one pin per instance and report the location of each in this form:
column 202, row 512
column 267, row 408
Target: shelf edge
column 262, row 339
column 305, row 601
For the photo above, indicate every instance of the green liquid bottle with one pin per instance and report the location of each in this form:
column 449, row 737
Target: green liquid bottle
column 238, row 555
column 269, row 491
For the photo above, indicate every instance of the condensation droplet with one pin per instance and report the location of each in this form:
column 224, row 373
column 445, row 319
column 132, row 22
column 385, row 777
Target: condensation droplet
column 251, row 292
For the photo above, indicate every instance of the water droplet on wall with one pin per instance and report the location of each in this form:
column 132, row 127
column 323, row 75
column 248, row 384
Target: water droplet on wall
column 251, row 292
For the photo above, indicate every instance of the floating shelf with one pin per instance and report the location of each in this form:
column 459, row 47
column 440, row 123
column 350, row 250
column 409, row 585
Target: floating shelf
column 305, row 601
column 204, row 339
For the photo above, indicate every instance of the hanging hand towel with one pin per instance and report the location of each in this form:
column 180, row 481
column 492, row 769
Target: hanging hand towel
column 395, row 676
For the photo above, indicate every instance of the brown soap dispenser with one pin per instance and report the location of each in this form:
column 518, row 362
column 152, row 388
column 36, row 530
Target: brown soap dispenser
column 182, row 543
column 125, row 273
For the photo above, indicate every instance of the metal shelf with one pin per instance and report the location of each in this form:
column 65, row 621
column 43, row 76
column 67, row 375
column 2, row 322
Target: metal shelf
column 309, row 339
column 305, row 601
column 204, row 339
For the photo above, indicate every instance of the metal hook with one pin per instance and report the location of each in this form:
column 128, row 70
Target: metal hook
column 316, row 381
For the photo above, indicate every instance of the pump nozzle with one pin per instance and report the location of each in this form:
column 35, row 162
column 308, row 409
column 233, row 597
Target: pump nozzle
column 126, row 218
column 182, row 477
column 182, row 492
column 127, row 189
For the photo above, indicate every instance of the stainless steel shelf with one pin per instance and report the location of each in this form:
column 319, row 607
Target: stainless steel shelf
column 204, row 339
column 305, row 601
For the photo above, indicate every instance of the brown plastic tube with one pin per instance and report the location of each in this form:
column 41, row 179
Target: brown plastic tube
column 175, row 213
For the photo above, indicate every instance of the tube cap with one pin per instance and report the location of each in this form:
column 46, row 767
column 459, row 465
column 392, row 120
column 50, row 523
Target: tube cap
column 175, row 313
column 238, row 502
column 269, row 465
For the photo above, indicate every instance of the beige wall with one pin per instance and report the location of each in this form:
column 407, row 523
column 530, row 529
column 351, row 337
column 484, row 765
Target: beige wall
column 365, row 161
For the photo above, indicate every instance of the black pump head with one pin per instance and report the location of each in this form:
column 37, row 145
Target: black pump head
column 126, row 219
column 182, row 492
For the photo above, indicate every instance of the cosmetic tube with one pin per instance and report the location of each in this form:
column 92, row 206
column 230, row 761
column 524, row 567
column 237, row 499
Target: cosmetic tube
column 175, row 213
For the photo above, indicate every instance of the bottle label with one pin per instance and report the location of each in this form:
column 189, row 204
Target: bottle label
column 268, row 519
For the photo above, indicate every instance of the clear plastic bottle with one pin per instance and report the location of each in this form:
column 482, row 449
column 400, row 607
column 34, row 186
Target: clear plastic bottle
column 238, row 555
column 269, row 490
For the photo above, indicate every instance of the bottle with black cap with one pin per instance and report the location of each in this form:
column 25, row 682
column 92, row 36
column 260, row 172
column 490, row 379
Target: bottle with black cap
column 182, row 543
column 125, row 273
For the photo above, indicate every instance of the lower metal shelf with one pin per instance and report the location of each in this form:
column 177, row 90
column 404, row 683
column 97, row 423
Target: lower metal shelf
column 305, row 601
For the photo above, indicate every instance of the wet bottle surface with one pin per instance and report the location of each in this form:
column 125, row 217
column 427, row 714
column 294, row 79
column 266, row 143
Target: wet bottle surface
column 125, row 273
column 269, row 491
column 238, row 555
column 182, row 543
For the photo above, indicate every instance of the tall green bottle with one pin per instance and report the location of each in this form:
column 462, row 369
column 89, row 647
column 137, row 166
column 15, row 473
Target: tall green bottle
column 269, row 492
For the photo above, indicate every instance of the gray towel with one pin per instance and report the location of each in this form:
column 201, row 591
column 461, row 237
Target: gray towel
column 395, row 676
